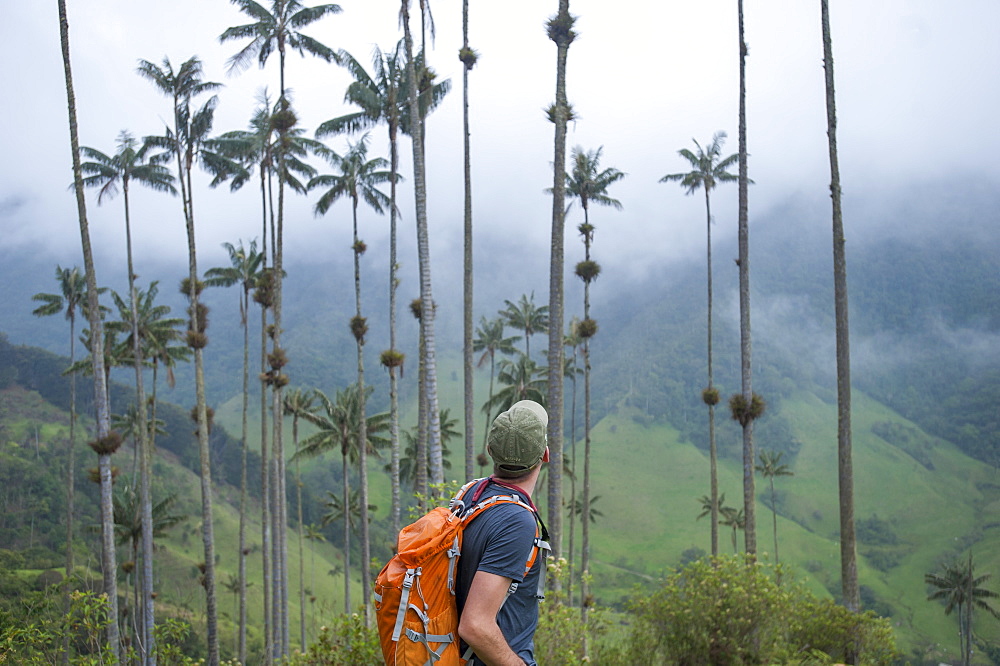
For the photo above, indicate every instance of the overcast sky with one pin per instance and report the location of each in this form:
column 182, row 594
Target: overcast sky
column 916, row 84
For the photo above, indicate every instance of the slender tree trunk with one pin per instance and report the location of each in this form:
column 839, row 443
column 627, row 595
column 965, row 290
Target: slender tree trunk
column 347, row 529
column 562, row 37
column 241, row 645
column 712, row 450
column 424, row 259
column 103, row 414
column 302, row 568
column 362, row 433
column 207, row 529
column 265, row 484
column 70, row 479
column 848, row 544
column 146, row 638
column 749, row 502
column 280, row 516
column 467, row 256
column 585, row 600
column 572, row 484
column 420, row 486
column 393, row 381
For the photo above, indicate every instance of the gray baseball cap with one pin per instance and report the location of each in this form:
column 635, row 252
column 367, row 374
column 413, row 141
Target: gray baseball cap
column 517, row 437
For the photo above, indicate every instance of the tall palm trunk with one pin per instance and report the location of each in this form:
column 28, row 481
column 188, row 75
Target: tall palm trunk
column 196, row 325
column 750, row 529
column 774, row 520
column 345, row 478
column 207, row 529
column 266, row 301
column 712, row 451
column 572, row 483
column 241, row 644
column 70, row 479
column 362, row 424
column 393, row 382
column 146, row 638
column 302, row 568
column 467, row 258
column 424, row 259
column 103, row 414
column 585, row 500
column 561, row 32
column 845, row 472
column 265, row 489
column 279, row 513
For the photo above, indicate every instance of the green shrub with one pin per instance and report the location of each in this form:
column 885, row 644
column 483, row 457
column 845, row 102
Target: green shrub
column 345, row 642
column 731, row 610
column 562, row 638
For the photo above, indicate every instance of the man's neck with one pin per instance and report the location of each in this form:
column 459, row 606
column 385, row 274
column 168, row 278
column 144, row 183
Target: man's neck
column 524, row 483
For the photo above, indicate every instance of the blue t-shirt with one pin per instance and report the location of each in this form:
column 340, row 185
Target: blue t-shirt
column 499, row 541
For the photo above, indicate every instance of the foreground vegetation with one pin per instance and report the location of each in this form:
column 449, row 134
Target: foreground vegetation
column 724, row 610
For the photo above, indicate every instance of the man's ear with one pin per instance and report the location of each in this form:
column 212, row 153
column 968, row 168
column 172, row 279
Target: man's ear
column 545, row 456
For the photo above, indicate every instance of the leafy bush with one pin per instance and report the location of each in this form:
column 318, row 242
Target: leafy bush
column 345, row 642
column 729, row 610
column 562, row 638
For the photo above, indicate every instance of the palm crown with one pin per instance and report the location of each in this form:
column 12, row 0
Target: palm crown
column 706, row 167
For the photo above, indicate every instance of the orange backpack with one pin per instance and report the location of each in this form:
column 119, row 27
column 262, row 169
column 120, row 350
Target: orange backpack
column 415, row 592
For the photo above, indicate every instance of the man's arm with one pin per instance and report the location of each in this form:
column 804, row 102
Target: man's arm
column 478, row 624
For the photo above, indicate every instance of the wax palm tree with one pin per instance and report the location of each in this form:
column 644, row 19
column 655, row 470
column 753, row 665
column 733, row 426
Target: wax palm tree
column 277, row 29
column 734, row 518
column 129, row 425
column 520, row 380
column 490, row 340
column 347, row 511
column 69, row 300
column 525, row 316
column 576, row 508
column 845, row 467
column 129, row 164
column 588, row 183
column 572, row 369
column 358, row 180
column 708, row 504
column 379, row 99
column 337, row 426
column 408, row 463
column 747, row 399
column 708, row 168
column 962, row 591
column 297, row 403
column 560, row 31
column 244, row 270
column 771, row 466
column 106, row 442
column 468, row 58
column 271, row 30
column 429, row 358
column 111, row 348
column 130, row 527
column 185, row 142
column 162, row 344
column 257, row 148
column 273, row 146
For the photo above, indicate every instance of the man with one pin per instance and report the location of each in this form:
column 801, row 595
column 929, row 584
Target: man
column 500, row 627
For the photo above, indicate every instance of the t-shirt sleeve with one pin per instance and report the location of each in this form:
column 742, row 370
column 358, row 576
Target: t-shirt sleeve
column 509, row 545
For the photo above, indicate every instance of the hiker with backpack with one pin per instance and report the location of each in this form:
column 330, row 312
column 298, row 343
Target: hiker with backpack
column 499, row 625
column 464, row 585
